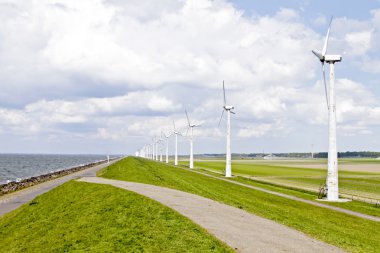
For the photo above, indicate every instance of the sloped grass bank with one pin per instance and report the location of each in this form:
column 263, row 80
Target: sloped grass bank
column 83, row 217
column 371, row 183
column 364, row 184
column 345, row 231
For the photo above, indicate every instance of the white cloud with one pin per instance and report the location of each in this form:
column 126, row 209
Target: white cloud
column 259, row 130
column 359, row 42
column 320, row 20
column 166, row 55
column 185, row 42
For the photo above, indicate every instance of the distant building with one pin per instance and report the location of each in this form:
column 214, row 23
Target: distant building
column 270, row 157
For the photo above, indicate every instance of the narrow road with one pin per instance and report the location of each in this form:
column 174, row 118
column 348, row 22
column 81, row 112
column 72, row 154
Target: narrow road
column 334, row 208
column 11, row 201
column 242, row 231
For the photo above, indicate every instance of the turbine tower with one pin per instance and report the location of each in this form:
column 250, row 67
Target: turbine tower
column 228, row 109
column 332, row 171
column 167, row 146
column 154, row 148
column 191, row 127
column 176, row 133
column 160, row 140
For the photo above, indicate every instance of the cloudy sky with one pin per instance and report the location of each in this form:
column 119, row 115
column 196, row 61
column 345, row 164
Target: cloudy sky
column 94, row 76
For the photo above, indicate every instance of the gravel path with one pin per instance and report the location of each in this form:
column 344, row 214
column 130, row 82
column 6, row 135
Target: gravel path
column 10, row 202
column 242, row 231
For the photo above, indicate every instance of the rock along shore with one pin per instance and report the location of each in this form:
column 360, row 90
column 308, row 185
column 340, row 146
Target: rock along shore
column 15, row 186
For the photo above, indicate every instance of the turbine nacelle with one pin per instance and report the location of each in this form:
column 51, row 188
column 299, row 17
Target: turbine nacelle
column 333, row 58
column 228, row 107
column 190, row 125
column 329, row 58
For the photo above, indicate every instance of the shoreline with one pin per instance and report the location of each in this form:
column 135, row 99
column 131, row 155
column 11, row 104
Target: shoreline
column 28, row 182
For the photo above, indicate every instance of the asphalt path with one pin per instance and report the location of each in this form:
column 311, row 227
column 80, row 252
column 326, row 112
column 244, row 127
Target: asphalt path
column 11, row 201
column 241, row 230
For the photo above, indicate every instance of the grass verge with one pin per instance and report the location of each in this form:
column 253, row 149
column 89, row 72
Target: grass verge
column 357, row 206
column 345, row 231
column 83, row 217
column 364, row 184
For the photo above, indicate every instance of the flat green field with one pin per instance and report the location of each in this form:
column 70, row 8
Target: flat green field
column 306, row 174
column 348, row 232
column 83, row 217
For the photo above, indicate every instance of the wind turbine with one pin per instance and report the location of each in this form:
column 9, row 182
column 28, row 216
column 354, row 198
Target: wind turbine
column 154, row 148
column 160, row 141
column 176, row 144
column 191, row 127
column 228, row 109
column 167, row 145
column 332, row 171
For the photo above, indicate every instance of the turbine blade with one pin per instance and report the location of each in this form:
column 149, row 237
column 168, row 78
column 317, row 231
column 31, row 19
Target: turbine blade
column 187, row 116
column 221, row 118
column 327, row 39
column 187, row 131
column 320, row 57
column 324, row 81
column 224, row 94
column 232, row 112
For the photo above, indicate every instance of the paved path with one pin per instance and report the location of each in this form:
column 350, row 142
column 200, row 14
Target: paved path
column 338, row 209
column 242, row 231
column 11, row 201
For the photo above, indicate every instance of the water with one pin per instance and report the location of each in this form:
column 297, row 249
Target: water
column 15, row 167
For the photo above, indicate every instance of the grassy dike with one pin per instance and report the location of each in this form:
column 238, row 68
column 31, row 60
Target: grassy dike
column 350, row 233
column 84, row 217
column 350, row 182
column 357, row 206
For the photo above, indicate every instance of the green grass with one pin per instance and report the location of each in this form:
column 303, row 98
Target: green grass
column 345, row 231
column 83, row 217
column 293, row 186
column 360, row 160
column 357, row 206
column 363, row 184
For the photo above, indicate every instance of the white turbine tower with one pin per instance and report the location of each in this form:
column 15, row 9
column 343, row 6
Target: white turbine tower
column 332, row 172
column 176, row 133
column 191, row 127
column 167, row 146
column 228, row 109
column 153, row 150
column 160, row 144
column 156, row 147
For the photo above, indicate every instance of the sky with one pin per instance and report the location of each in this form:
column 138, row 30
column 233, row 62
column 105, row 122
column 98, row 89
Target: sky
column 105, row 77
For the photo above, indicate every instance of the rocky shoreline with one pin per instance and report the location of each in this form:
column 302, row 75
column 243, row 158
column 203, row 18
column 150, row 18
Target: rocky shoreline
column 15, row 186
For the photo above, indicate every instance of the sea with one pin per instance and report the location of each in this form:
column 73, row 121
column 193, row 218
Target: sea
column 15, row 167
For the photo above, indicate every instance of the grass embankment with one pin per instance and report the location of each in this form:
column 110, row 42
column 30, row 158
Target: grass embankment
column 357, row 206
column 345, row 231
column 85, row 217
column 363, row 184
